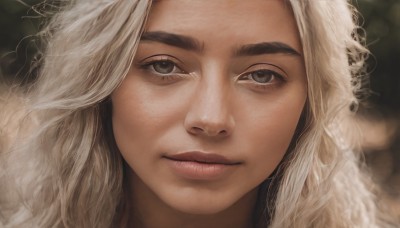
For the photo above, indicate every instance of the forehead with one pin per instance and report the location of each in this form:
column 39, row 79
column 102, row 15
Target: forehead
column 226, row 20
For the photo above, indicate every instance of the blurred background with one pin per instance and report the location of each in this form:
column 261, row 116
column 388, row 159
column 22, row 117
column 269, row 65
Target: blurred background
column 378, row 113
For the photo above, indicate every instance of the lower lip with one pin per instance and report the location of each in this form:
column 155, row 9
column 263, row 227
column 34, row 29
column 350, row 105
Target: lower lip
column 199, row 171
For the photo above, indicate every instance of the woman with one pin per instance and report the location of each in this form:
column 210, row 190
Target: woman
column 193, row 114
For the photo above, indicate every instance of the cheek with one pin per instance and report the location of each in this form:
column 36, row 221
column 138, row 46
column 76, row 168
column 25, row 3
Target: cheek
column 135, row 109
column 142, row 114
column 138, row 104
column 269, row 132
column 133, row 117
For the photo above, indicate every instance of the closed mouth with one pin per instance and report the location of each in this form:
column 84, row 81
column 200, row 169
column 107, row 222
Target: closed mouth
column 201, row 157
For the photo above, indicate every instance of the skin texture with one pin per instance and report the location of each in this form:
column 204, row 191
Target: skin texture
column 211, row 102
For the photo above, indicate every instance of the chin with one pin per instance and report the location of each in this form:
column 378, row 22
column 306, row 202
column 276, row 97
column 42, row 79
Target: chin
column 198, row 202
column 200, row 208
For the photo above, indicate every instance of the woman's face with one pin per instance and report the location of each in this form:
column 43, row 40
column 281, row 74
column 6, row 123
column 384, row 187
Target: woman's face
column 211, row 102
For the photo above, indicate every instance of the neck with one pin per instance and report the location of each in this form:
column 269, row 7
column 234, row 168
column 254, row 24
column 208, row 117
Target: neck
column 149, row 211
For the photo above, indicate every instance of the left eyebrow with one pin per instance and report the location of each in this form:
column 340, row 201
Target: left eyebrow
column 266, row 48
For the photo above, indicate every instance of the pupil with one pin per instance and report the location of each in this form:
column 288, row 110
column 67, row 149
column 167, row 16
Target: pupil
column 262, row 76
column 164, row 67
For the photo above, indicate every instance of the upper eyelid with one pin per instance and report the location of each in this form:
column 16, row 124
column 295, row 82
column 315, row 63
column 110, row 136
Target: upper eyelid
column 146, row 62
column 160, row 58
column 269, row 64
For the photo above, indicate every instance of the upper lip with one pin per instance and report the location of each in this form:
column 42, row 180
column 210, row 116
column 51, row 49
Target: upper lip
column 201, row 157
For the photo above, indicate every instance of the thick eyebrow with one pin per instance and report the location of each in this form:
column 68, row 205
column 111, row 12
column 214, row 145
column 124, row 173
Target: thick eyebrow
column 175, row 40
column 266, row 48
column 191, row 44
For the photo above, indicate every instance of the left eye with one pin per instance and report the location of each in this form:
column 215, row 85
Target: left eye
column 262, row 76
column 164, row 67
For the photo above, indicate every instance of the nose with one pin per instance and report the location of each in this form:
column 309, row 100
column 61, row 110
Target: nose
column 210, row 113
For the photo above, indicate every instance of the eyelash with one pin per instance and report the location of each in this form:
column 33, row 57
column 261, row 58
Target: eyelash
column 150, row 67
column 246, row 76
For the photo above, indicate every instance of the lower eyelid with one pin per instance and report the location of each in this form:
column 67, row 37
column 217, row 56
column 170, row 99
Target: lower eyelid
column 266, row 87
column 247, row 75
column 262, row 87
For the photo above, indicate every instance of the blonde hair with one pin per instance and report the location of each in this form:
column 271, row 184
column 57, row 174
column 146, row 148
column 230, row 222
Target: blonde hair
column 74, row 176
column 334, row 192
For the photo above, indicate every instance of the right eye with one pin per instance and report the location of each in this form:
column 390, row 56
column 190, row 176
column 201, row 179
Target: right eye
column 162, row 67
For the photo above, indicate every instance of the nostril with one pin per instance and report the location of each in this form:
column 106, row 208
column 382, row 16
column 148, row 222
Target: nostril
column 217, row 127
column 196, row 130
column 214, row 132
column 208, row 132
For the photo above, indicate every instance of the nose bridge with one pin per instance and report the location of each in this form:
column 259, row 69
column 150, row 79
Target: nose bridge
column 210, row 112
column 213, row 99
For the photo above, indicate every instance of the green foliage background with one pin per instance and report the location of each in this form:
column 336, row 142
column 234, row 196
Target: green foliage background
column 382, row 24
column 19, row 24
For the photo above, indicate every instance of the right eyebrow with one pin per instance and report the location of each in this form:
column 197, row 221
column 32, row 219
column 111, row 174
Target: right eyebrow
column 171, row 39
